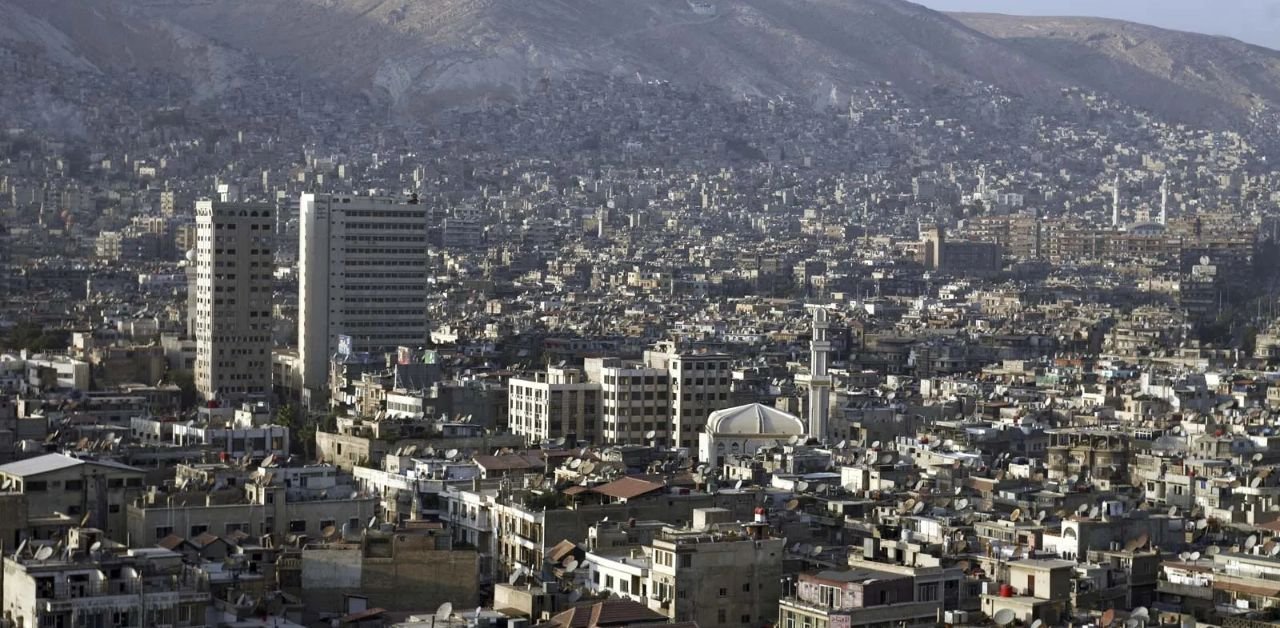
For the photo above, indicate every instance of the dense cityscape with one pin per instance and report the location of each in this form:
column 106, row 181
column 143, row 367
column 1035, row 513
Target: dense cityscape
column 630, row 353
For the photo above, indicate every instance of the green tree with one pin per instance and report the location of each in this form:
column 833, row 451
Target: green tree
column 186, row 382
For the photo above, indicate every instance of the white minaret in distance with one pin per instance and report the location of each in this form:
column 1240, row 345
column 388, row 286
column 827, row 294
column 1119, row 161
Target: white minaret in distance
column 819, row 381
column 1164, row 200
column 1115, row 203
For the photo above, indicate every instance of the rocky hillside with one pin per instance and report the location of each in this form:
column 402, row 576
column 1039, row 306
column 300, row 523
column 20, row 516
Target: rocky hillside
column 423, row 54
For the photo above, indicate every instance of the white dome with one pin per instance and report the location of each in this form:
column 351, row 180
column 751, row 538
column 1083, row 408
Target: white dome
column 754, row 418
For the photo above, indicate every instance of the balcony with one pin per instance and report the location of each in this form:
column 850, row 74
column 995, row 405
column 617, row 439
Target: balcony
column 1184, row 590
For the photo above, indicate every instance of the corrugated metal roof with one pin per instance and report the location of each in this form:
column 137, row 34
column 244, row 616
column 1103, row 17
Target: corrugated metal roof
column 56, row 462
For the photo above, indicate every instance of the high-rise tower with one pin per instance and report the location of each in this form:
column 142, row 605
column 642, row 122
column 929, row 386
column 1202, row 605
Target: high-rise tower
column 233, row 277
column 363, row 267
column 1164, row 200
column 1115, row 203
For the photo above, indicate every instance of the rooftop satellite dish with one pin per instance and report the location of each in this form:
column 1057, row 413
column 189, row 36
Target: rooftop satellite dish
column 1184, row 557
column 1256, row 481
column 444, row 611
column 1040, row 516
column 1015, row 515
column 329, row 532
column 1274, row 551
column 587, row 468
column 1204, row 260
column 570, row 565
column 515, row 576
column 44, row 553
column 1195, row 556
column 1257, row 457
column 1039, row 623
column 373, row 521
column 1094, row 512
column 795, row 438
column 918, row 508
column 1108, row 618
column 875, row 445
column 1132, row 623
column 886, row 458
column 795, row 503
column 1140, row 613
column 650, row 435
column 737, row 485
column 1004, row 617
column 1250, row 542
column 842, row 444
column 97, row 546
column 1173, row 511
column 1202, row 524
column 817, row 549
column 802, row 486
column 961, row 504
column 1212, row 550
column 1084, row 508
column 575, row 463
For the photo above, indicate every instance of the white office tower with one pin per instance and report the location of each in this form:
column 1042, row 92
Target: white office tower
column 362, row 274
column 1164, row 200
column 817, row 380
column 233, row 277
column 1115, row 203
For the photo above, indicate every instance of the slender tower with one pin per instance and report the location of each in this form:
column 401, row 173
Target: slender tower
column 1115, row 203
column 819, row 380
column 1164, row 200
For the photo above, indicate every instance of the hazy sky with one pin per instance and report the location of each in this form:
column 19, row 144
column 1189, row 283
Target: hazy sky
column 1254, row 21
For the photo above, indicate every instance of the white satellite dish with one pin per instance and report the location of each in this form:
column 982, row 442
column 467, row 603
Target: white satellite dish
column 841, row 444
column 1037, row 623
column 444, row 611
column 1195, row 556
column 570, row 565
column 575, row 463
column 918, row 508
column 738, row 485
column 1004, row 617
column 44, row 553
column 97, row 545
column 650, row 435
column 451, row 454
column 1140, row 613
column 1250, row 542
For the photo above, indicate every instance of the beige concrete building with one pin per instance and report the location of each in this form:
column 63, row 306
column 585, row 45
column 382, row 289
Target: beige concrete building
column 108, row 586
column 60, row 491
column 408, row 569
column 699, row 385
column 559, row 403
column 263, row 506
column 234, row 265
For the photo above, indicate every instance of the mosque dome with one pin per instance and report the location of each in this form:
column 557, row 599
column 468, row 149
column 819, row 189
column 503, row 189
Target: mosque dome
column 754, row 418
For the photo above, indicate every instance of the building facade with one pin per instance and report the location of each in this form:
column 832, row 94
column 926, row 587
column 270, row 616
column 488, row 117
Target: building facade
column 234, row 261
column 362, row 278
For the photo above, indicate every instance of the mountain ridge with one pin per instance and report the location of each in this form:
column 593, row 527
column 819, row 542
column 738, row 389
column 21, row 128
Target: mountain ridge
column 423, row 55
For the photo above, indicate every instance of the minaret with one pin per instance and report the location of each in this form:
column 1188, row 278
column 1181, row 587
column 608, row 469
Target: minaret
column 1115, row 203
column 819, row 381
column 1164, row 200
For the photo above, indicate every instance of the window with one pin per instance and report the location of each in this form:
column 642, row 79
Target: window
column 113, row 508
column 724, row 593
column 686, row 560
column 163, row 531
column 198, row 529
column 722, row 616
column 746, row 620
column 36, row 486
column 746, row 587
column 74, row 485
